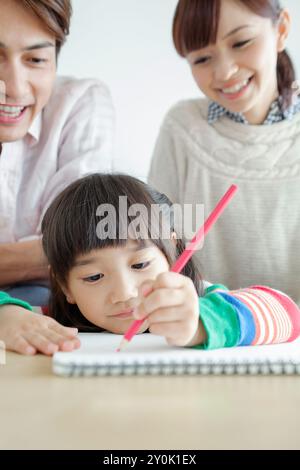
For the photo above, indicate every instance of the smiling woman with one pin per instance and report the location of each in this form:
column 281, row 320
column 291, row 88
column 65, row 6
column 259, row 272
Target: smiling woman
column 249, row 40
column 246, row 130
column 52, row 131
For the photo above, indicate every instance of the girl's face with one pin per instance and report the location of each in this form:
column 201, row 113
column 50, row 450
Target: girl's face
column 105, row 284
column 239, row 71
column 27, row 69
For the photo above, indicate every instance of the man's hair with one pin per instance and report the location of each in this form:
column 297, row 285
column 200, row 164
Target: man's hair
column 55, row 15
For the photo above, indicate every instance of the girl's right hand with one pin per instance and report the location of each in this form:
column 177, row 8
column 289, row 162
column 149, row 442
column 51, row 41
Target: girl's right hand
column 28, row 333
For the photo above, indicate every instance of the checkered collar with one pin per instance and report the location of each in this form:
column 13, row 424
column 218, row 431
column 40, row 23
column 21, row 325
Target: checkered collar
column 276, row 113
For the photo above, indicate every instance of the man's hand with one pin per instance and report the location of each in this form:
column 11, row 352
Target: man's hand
column 22, row 261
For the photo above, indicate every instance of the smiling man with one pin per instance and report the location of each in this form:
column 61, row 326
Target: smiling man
column 52, row 131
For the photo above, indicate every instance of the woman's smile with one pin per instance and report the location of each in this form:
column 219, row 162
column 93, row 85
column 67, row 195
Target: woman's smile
column 236, row 91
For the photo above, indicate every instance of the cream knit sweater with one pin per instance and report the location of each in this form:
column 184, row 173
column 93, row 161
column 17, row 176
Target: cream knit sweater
column 257, row 239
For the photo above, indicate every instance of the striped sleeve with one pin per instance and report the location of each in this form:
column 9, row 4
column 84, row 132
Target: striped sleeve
column 219, row 319
column 252, row 316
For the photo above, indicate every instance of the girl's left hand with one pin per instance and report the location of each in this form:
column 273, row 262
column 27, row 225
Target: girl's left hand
column 172, row 309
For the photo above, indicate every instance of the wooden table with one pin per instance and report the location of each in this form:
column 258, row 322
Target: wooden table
column 41, row 411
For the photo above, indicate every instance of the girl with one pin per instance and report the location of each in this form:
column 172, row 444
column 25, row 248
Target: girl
column 107, row 269
column 246, row 129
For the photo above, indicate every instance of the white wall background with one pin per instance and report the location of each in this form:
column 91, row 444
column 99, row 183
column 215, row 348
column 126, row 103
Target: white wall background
column 128, row 45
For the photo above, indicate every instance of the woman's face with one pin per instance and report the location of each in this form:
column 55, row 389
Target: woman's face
column 27, row 69
column 105, row 284
column 239, row 71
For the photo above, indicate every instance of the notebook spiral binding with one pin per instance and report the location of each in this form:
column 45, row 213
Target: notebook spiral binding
column 163, row 368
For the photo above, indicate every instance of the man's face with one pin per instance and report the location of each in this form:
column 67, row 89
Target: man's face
column 27, row 69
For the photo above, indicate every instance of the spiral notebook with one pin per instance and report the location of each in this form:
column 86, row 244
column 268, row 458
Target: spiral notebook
column 148, row 354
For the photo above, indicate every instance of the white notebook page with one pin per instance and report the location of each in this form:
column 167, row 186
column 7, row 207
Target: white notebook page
column 100, row 348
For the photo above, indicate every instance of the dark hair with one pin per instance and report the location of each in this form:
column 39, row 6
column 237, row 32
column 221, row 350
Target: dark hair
column 55, row 15
column 196, row 22
column 70, row 228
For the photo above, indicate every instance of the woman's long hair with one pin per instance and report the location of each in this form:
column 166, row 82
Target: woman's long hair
column 71, row 228
column 196, row 23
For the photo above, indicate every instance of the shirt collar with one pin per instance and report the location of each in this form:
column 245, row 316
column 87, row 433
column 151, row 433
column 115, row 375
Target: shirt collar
column 34, row 130
column 276, row 112
column 216, row 111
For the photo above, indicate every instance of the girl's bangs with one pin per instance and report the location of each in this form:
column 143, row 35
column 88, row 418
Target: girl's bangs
column 115, row 211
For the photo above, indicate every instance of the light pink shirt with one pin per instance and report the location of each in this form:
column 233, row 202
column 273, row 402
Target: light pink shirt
column 72, row 137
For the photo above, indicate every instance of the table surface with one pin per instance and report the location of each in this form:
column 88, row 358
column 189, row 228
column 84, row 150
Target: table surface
column 41, row 411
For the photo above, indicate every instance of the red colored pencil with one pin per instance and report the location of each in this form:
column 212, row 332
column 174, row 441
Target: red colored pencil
column 187, row 254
